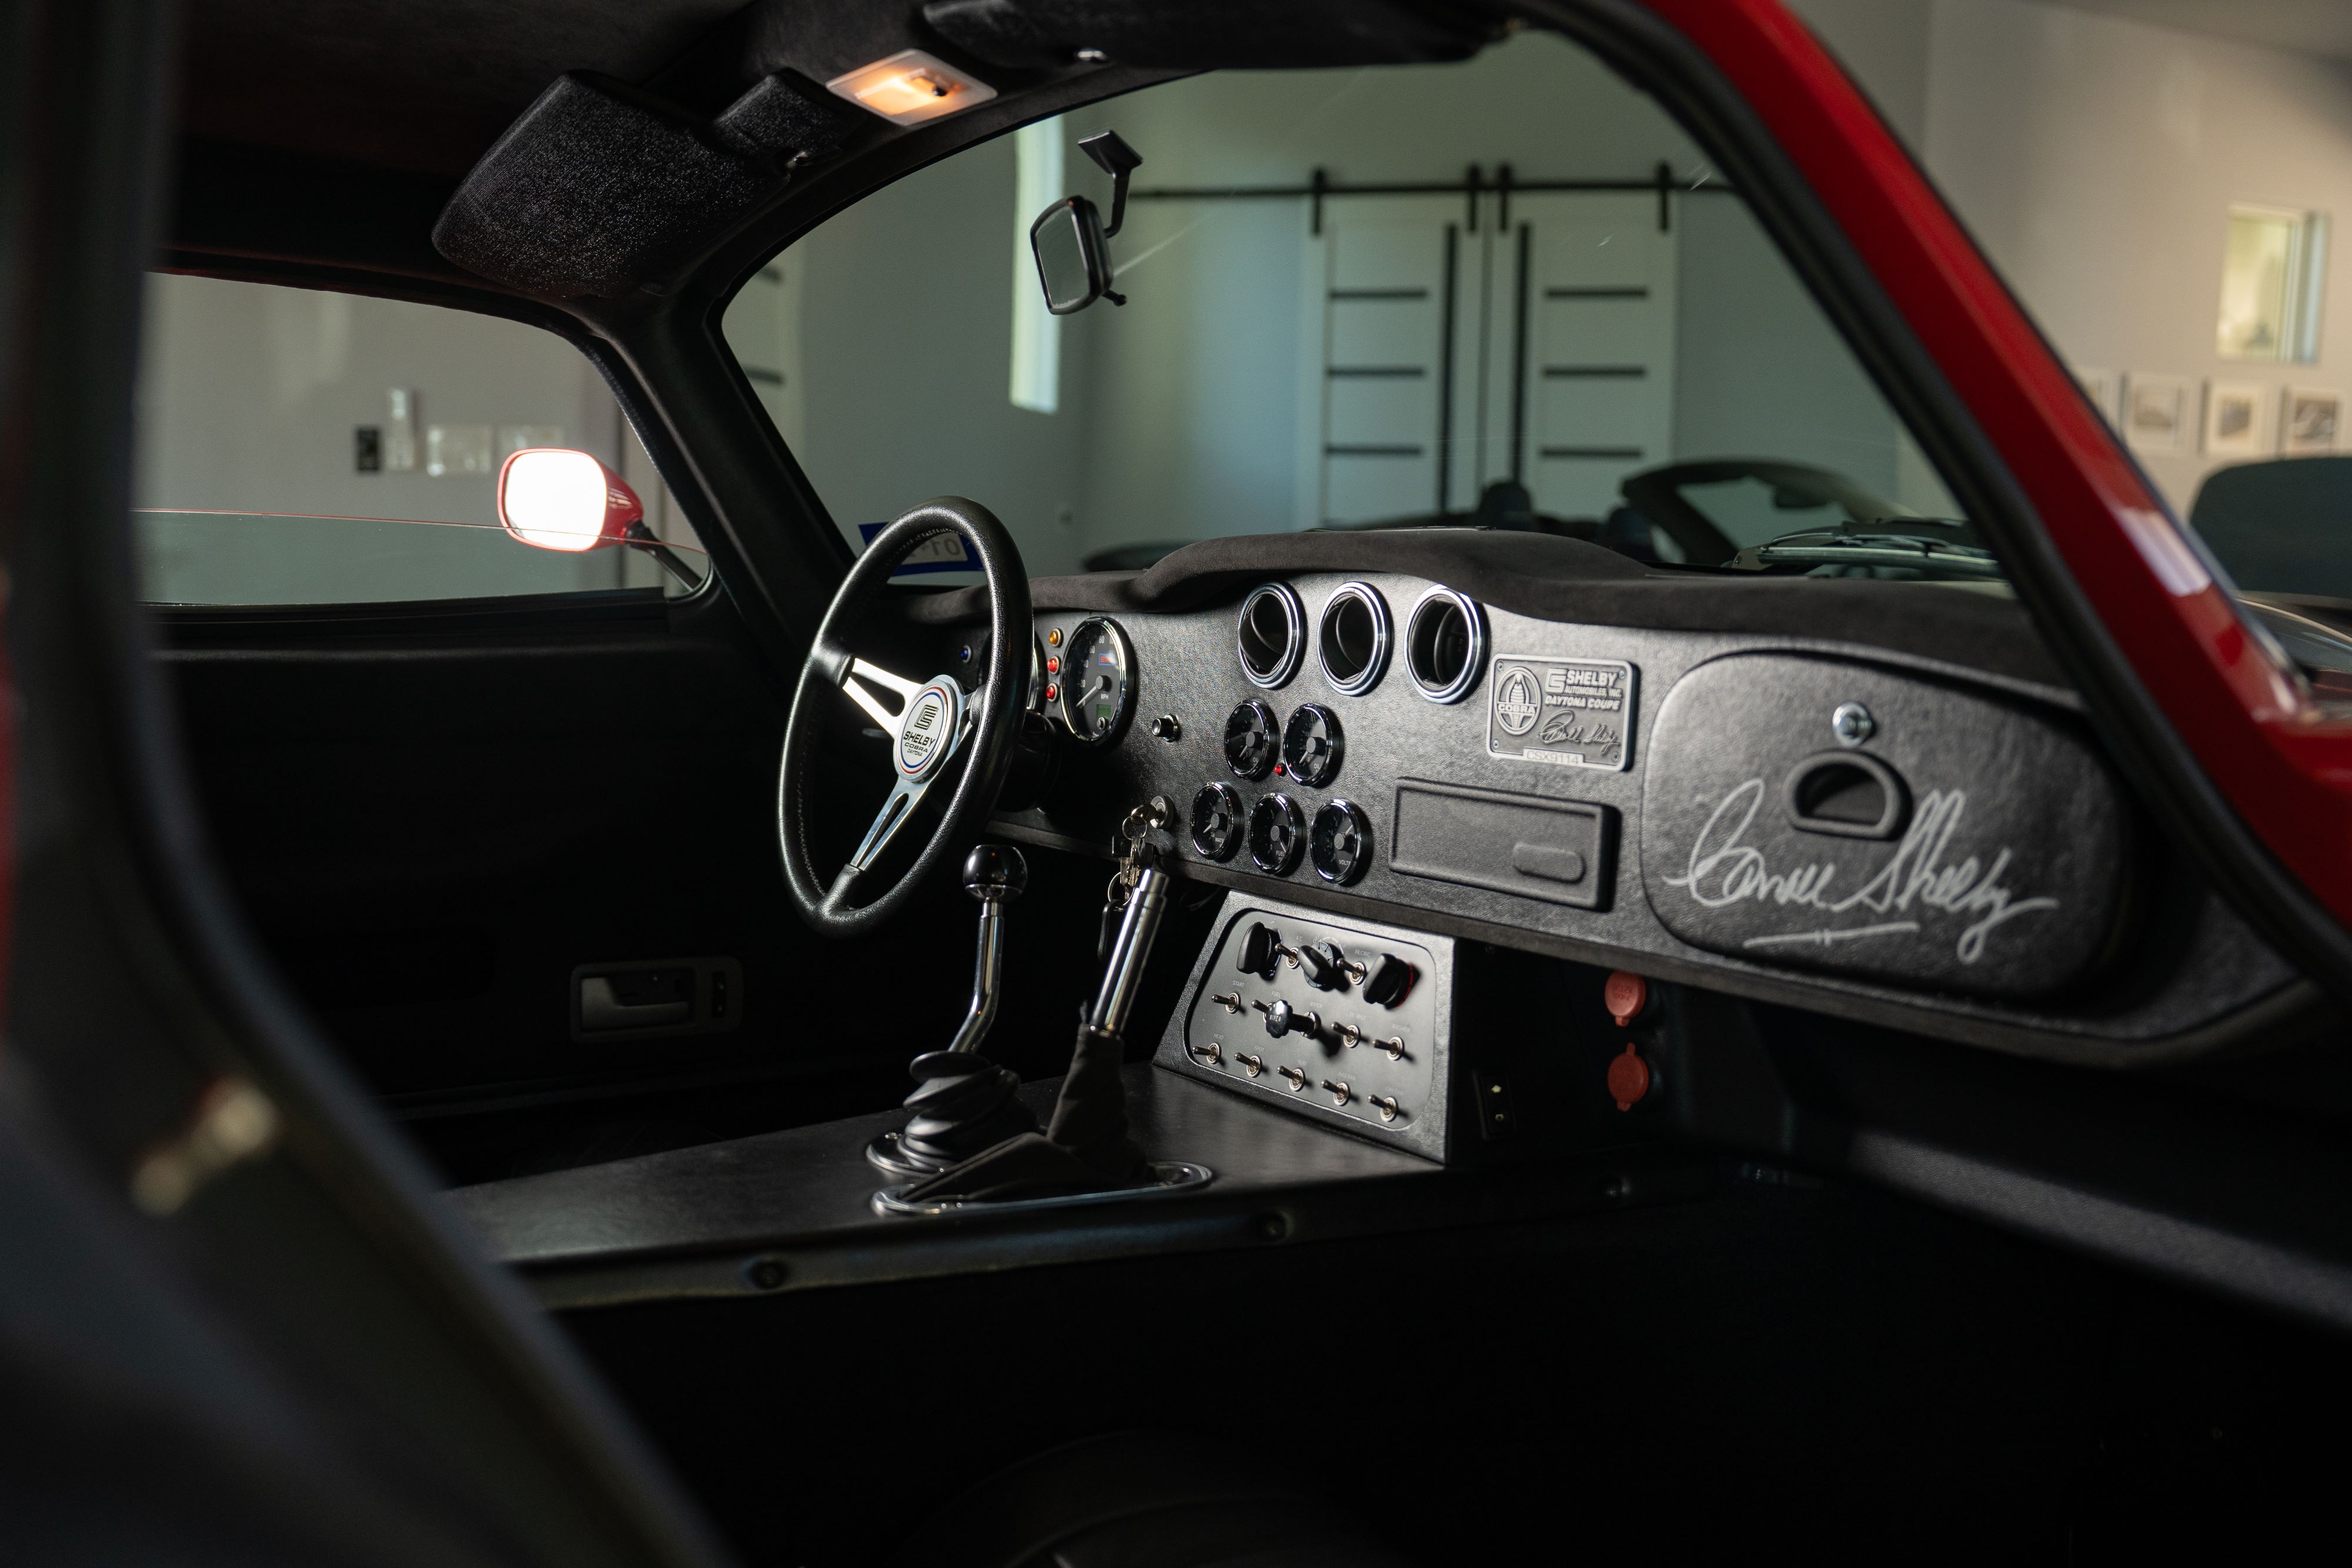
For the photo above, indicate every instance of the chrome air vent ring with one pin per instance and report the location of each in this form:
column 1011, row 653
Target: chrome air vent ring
column 1352, row 638
column 1445, row 644
column 1270, row 635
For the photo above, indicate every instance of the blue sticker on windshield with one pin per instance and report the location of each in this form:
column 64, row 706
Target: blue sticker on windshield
column 940, row 552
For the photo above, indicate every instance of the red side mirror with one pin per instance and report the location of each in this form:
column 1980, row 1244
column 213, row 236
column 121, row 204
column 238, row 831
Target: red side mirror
column 559, row 499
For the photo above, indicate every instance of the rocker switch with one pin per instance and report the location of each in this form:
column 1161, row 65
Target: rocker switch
column 1391, row 981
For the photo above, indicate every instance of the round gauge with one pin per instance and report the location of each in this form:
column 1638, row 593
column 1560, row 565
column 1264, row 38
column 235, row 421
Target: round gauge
column 1341, row 843
column 1097, row 681
column 1217, row 822
column 1311, row 745
column 1277, row 835
column 1251, row 746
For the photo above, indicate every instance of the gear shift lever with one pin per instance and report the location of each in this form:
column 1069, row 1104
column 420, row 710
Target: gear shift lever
column 962, row 1101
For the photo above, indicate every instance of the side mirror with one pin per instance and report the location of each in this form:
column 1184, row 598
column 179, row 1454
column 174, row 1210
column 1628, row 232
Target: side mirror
column 563, row 500
column 1069, row 241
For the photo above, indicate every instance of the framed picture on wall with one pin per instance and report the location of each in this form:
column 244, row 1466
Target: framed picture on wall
column 2101, row 387
column 2311, row 421
column 2233, row 419
column 2155, row 412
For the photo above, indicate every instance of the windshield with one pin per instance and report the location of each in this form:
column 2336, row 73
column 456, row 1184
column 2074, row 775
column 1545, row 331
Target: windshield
column 1506, row 293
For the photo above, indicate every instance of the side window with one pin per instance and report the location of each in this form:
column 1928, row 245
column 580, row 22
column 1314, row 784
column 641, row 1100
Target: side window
column 297, row 446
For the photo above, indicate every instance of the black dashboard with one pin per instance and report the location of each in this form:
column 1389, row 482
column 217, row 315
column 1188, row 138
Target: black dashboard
column 1873, row 799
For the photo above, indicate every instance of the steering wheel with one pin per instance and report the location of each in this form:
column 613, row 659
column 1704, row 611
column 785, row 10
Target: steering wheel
column 934, row 724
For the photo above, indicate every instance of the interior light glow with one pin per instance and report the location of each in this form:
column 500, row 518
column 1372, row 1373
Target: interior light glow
column 910, row 88
column 563, row 500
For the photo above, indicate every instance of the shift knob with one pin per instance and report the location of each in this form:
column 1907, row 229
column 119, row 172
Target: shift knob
column 994, row 873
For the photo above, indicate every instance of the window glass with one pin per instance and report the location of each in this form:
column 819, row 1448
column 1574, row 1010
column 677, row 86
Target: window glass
column 2129, row 169
column 1508, row 292
column 297, row 446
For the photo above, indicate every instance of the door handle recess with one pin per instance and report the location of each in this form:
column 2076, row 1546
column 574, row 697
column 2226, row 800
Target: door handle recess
column 1848, row 795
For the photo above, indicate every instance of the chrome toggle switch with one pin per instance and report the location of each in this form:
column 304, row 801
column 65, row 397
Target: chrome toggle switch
column 1386, row 1106
column 1297, row 1077
column 1339, row 1091
column 1229, row 1001
column 1350, row 1035
column 1253, row 1065
column 1282, row 1018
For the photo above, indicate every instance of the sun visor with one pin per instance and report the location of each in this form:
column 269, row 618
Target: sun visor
column 1203, row 35
column 598, row 186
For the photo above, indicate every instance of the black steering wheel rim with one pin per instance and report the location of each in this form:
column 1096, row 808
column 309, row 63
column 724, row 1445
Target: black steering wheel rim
column 831, row 907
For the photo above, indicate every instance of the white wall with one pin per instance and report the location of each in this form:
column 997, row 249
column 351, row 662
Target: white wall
column 2095, row 160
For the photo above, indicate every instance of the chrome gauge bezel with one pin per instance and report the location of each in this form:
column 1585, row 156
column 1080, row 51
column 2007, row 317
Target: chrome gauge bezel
column 1320, row 776
column 1366, row 678
column 1127, row 683
column 1229, row 799
column 1270, row 806
column 1293, row 615
column 1266, row 721
column 1363, row 826
column 1472, row 667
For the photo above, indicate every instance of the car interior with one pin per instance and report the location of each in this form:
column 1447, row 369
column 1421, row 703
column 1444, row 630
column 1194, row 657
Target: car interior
column 725, row 577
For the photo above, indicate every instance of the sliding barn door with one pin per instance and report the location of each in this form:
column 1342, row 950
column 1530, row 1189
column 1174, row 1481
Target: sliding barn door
column 1583, row 347
column 1388, row 360
column 1451, row 344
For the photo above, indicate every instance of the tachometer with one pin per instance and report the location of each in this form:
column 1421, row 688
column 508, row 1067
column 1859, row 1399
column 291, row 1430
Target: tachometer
column 1097, row 681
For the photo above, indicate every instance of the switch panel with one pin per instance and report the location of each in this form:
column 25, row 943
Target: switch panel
column 1342, row 1022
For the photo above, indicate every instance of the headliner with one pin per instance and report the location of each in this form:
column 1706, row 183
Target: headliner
column 331, row 132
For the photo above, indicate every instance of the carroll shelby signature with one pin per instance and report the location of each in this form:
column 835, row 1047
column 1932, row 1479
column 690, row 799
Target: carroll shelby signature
column 1724, row 870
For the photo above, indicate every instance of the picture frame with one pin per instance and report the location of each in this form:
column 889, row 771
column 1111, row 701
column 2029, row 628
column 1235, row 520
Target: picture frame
column 2311, row 422
column 2155, row 412
column 2103, row 389
column 2234, row 425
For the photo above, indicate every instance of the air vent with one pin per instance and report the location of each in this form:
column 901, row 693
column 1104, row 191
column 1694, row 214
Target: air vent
column 1444, row 644
column 1352, row 640
column 1272, row 635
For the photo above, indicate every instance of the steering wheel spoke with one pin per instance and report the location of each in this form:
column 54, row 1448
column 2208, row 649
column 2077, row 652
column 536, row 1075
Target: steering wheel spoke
column 904, row 797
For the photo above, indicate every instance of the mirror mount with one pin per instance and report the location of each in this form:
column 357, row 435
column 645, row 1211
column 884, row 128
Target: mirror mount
column 1115, row 158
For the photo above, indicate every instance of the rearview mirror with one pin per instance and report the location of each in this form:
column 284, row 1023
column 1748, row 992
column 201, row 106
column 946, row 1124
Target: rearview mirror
column 559, row 499
column 1073, row 258
column 1068, row 240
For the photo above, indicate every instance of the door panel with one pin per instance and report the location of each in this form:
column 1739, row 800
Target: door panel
column 431, row 827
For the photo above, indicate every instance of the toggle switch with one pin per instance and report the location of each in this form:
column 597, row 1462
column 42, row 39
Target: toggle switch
column 1260, row 947
column 1390, row 982
column 1350, row 1035
column 1229, row 1001
column 1297, row 1078
column 1282, row 1018
column 1386, row 1106
column 1393, row 1045
column 1328, row 968
column 1253, row 1065
column 1338, row 1090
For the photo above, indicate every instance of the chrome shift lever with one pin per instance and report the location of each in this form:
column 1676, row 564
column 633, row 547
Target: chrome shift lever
column 963, row 1103
column 996, row 876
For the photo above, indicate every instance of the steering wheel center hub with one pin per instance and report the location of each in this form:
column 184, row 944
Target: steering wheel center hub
column 928, row 728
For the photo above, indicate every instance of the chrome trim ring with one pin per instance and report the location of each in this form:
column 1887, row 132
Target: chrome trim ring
column 1294, row 649
column 1435, row 600
column 1366, row 678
